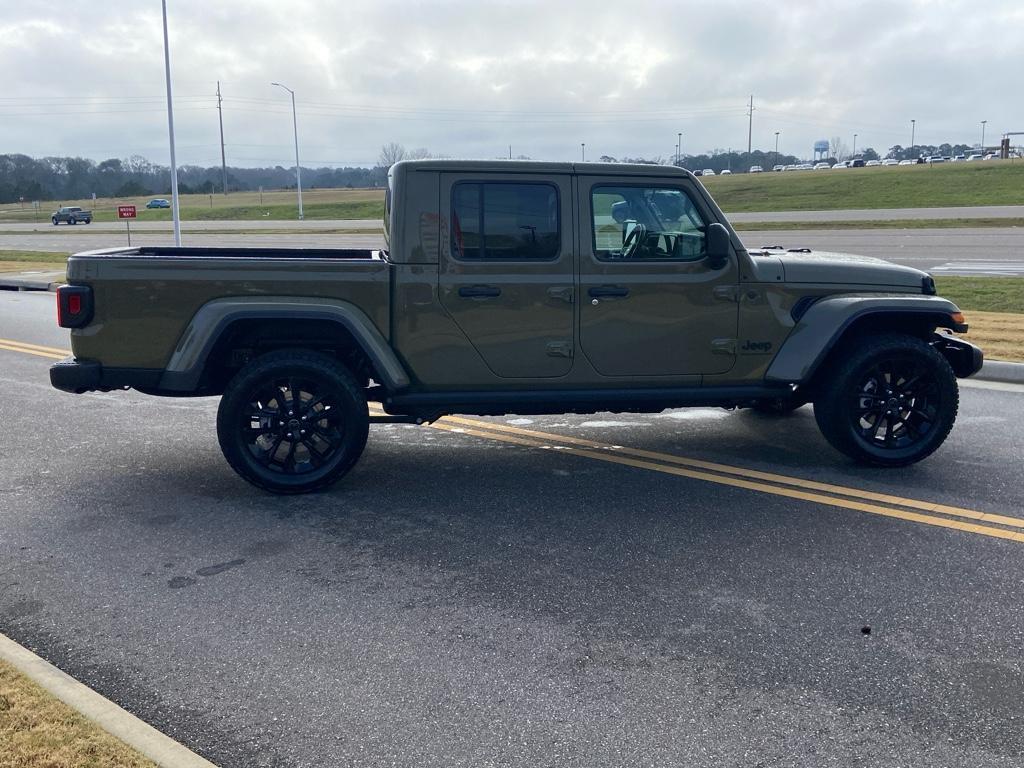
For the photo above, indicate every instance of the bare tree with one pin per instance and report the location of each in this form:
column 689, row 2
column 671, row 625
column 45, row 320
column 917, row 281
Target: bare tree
column 390, row 154
column 838, row 149
column 420, row 153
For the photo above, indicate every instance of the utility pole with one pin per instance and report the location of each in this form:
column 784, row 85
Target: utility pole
column 855, row 145
column 776, row 148
column 223, row 162
column 913, row 127
column 175, row 209
column 583, row 151
column 983, row 135
column 750, row 125
column 679, row 147
column 509, row 151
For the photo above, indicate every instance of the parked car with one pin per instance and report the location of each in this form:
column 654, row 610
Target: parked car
column 908, row 162
column 71, row 214
column 821, row 166
column 708, row 172
column 957, row 158
column 724, row 172
column 638, row 316
column 991, row 156
column 778, row 167
column 935, row 159
column 755, row 169
column 841, row 166
column 872, row 163
column 890, row 161
column 857, row 162
column 158, row 203
column 974, row 156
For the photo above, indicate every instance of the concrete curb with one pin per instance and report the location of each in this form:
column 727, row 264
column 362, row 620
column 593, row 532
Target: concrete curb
column 44, row 281
column 997, row 370
column 144, row 738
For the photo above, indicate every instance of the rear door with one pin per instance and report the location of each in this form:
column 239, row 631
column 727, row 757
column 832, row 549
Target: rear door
column 506, row 275
column 650, row 304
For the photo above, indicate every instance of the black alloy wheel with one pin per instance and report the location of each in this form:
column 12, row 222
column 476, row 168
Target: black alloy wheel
column 892, row 401
column 292, row 422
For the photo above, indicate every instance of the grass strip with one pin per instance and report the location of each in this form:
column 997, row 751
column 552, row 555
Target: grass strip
column 39, row 731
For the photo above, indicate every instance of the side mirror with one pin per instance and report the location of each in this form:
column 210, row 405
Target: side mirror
column 719, row 245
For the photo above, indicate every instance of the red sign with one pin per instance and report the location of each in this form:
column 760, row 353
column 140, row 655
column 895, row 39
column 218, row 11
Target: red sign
column 126, row 211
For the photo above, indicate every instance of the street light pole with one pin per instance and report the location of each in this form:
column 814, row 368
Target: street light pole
column 855, row 145
column 983, row 135
column 175, row 210
column 298, row 168
column 583, row 151
column 913, row 127
column 679, row 147
column 776, row 148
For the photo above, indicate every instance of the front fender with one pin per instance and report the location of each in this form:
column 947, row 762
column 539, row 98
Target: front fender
column 188, row 361
column 825, row 323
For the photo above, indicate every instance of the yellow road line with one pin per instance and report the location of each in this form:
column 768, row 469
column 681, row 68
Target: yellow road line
column 614, row 458
column 743, row 472
column 38, row 352
column 37, row 347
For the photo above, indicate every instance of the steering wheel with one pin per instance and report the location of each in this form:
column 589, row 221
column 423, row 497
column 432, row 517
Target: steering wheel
column 637, row 235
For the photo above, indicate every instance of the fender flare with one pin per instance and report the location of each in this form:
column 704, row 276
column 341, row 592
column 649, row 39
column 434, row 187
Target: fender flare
column 189, row 359
column 818, row 331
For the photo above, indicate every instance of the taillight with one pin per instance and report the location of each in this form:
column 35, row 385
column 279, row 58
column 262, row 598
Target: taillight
column 74, row 306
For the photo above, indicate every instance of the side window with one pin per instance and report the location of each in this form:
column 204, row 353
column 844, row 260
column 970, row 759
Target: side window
column 496, row 221
column 646, row 223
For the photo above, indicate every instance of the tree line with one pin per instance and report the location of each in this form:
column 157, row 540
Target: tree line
column 77, row 178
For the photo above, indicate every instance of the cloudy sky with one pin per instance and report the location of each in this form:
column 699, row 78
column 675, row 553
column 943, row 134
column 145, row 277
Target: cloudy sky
column 469, row 78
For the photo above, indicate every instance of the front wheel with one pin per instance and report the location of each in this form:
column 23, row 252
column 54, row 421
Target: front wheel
column 891, row 401
column 54, row 220
column 292, row 421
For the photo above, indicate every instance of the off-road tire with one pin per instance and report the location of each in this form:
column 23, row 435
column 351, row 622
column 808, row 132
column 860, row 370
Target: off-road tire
column 888, row 400
column 264, row 407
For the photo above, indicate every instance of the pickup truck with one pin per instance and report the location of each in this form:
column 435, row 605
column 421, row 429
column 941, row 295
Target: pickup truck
column 517, row 287
column 72, row 215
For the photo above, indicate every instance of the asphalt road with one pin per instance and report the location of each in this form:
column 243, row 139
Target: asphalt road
column 464, row 600
column 886, row 214
column 996, row 250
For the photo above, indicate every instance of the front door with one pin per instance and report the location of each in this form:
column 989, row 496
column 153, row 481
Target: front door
column 650, row 304
column 506, row 275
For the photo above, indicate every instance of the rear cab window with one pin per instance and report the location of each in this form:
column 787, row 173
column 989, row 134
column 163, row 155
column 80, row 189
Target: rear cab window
column 505, row 221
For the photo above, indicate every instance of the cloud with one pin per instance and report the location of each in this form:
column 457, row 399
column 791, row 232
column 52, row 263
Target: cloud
column 471, row 78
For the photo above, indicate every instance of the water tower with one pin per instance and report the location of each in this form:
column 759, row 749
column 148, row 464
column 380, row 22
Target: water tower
column 820, row 150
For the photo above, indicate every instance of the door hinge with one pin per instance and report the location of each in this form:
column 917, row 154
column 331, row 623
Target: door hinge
column 723, row 347
column 564, row 293
column 727, row 292
column 560, row 348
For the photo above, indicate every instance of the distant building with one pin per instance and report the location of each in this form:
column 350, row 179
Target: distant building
column 820, row 149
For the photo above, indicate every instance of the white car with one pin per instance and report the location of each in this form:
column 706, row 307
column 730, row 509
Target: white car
column 725, row 172
column 778, row 167
column 821, row 166
column 839, row 167
column 890, row 161
column 973, row 157
column 908, row 162
column 707, row 172
column 935, row 159
column 872, row 163
column 991, row 156
column 755, row 169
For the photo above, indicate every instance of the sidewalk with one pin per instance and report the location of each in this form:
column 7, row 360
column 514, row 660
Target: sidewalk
column 32, row 280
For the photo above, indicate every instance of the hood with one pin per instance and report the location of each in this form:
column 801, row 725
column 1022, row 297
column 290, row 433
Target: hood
column 826, row 267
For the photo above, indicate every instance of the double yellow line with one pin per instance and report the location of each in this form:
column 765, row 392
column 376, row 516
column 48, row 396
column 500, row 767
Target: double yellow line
column 34, row 349
column 843, row 497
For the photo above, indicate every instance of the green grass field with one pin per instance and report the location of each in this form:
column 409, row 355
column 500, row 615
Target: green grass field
column 999, row 182
column 919, row 186
column 238, row 206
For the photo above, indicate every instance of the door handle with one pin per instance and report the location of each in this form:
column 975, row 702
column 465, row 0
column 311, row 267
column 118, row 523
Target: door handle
column 608, row 292
column 479, row 291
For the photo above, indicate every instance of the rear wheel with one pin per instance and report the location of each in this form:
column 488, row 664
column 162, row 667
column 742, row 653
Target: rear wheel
column 891, row 401
column 292, row 422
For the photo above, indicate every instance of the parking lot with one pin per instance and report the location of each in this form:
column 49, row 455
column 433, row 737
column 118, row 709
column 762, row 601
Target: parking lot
column 692, row 587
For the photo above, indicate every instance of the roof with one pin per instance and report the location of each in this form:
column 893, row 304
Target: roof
column 534, row 166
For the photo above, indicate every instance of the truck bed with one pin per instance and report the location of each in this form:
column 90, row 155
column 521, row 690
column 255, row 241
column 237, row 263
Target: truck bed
column 225, row 252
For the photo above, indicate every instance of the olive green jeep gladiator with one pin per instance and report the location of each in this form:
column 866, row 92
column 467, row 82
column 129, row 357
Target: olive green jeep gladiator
column 517, row 287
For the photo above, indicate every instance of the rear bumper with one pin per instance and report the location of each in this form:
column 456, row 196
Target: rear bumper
column 965, row 358
column 77, row 376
